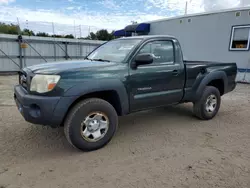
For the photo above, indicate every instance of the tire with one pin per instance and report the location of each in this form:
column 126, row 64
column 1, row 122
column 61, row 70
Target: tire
column 81, row 115
column 201, row 109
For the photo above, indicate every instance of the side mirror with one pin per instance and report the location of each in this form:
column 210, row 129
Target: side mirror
column 143, row 59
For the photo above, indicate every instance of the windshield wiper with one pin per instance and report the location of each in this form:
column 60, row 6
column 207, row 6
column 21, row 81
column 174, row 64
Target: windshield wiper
column 103, row 60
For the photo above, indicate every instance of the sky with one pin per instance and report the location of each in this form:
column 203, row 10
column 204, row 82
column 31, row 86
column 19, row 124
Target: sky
column 82, row 16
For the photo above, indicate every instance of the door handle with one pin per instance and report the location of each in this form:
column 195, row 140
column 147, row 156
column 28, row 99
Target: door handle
column 175, row 72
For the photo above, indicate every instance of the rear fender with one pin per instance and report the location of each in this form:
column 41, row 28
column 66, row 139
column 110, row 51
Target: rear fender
column 198, row 88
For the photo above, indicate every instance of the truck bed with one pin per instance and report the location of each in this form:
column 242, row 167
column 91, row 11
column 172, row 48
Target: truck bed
column 199, row 68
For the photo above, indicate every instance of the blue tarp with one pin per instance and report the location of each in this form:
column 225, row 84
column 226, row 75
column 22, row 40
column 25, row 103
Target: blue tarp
column 143, row 27
column 121, row 33
column 138, row 28
column 131, row 28
column 135, row 28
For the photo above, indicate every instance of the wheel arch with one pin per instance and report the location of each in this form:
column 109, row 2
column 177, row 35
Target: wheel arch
column 216, row 79
column 112, row 91
column 110, row 96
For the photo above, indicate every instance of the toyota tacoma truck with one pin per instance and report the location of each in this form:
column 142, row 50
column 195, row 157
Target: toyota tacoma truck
column 119, row 77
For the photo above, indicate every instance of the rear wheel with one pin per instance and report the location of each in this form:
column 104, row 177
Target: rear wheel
column 209, row 103
column 91, row 124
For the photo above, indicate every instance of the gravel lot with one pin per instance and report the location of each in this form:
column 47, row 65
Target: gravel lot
column 165, row 147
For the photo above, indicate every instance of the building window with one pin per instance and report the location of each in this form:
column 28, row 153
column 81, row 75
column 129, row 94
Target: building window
column 240, row 38
column 237, row 14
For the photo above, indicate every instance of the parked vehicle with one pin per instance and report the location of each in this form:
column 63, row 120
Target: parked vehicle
column 120, row 77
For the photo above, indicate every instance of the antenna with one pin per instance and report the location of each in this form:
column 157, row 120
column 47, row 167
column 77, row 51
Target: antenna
column 186, row 6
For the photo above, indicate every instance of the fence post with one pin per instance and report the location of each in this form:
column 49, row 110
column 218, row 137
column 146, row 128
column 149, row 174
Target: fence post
column 66, row 51
column 53, row 28
column 24, row 57
column 80, row 51
column 54, row 50
column 20, row 51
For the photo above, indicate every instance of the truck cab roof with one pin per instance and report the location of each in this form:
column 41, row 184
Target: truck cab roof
column 145, row 37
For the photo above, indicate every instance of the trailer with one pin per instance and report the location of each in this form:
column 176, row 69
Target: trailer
column 212, row 36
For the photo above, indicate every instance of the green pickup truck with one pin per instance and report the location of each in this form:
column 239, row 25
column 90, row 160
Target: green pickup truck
column 120, row 77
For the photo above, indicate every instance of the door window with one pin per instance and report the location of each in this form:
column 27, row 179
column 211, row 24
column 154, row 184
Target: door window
column 162, row 51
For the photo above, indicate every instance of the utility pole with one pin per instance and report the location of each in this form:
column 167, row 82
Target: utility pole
column 75, row 28
column 89, row 31
column 27, row 24
column 80, row 31
column 19, row 29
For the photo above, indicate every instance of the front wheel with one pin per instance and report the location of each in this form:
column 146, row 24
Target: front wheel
column 209, row 103
column 91, row 124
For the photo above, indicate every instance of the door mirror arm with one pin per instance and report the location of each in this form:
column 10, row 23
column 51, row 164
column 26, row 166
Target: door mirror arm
column 133, row 65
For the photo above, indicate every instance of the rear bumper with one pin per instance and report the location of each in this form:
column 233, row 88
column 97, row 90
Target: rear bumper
column 41, row 109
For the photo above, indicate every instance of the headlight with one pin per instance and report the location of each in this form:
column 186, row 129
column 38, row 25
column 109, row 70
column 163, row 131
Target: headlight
column 43, row 83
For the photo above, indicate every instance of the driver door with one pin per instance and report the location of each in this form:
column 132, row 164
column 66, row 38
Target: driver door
column 160, row 83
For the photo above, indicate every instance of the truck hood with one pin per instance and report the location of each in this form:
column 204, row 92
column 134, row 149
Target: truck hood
column 62, row 66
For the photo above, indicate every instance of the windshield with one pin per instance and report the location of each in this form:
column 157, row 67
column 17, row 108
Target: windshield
column 115, row 50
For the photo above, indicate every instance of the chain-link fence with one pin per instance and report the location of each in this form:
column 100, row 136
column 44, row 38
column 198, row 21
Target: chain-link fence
column 33, row 43
column 58, row 29
column 17, row 52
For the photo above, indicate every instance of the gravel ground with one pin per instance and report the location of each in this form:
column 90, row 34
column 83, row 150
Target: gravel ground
column 165, row 147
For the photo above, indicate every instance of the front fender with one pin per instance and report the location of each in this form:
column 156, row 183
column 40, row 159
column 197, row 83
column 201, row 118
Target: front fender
column 91, row 86
column 202, row 82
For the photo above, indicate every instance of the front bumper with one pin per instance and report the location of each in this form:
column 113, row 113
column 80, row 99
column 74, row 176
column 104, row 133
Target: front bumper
column 41, row 109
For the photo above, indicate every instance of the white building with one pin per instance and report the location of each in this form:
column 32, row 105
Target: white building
column 222, row 36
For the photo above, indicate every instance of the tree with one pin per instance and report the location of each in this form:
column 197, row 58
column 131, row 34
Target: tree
column 9, row 28
column 69, row 36
column 57, row 36
column 92, row 36
column 103, row 34
column 28, row 32
column 42, row 34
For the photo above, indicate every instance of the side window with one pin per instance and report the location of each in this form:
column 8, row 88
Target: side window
column 240, row 38
column 162, row 51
